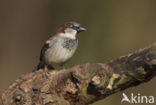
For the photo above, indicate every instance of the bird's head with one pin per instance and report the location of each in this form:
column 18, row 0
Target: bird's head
column 71, row 29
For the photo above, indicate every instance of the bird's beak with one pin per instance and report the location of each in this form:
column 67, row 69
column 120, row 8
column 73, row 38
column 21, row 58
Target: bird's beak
column 80, row 29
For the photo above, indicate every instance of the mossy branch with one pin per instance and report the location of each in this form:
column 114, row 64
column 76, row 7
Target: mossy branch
column 82, row 84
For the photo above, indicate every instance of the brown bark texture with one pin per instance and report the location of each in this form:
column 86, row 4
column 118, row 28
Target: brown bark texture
column 82, row 84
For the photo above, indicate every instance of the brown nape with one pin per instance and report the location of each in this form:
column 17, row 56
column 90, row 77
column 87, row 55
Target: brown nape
column 63, row 27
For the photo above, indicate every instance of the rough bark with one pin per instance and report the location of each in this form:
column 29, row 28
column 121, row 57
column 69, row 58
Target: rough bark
column 82, row 84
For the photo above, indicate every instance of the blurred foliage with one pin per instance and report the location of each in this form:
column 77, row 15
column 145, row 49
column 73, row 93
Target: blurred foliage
column 115, row 28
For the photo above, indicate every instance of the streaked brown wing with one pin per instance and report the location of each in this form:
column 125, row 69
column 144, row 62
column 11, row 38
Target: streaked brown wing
column 44, row 48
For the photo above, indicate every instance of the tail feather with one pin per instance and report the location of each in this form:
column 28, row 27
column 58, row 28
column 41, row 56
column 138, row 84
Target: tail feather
column 41, row 65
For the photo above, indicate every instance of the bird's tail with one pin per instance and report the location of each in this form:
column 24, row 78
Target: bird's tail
column 41, row 65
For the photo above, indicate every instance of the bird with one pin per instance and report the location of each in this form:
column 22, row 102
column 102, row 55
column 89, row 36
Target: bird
column 60, row 47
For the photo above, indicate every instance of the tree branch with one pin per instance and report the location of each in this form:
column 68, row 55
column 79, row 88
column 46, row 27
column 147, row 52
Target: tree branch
column 82, row 84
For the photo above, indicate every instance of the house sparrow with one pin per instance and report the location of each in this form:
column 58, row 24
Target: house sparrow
column 61, row 46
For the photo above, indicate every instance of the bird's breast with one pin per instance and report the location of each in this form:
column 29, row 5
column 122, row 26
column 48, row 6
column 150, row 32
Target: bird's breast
column 61, row 51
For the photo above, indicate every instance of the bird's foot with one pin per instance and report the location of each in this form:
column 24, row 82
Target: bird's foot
column 49, row 67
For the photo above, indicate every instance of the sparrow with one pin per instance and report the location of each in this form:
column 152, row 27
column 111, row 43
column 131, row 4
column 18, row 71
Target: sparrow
column 61, row 46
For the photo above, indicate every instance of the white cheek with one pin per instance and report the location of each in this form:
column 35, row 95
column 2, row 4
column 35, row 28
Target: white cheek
column 70, row 33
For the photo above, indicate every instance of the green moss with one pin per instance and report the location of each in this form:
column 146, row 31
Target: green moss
column 123, row 80
column 104, row 82
column 84, row 89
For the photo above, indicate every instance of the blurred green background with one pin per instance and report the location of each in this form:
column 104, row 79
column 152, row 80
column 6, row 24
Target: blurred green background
column 114, row 28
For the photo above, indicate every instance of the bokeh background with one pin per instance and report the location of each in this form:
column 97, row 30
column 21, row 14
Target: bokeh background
column 114, row 28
